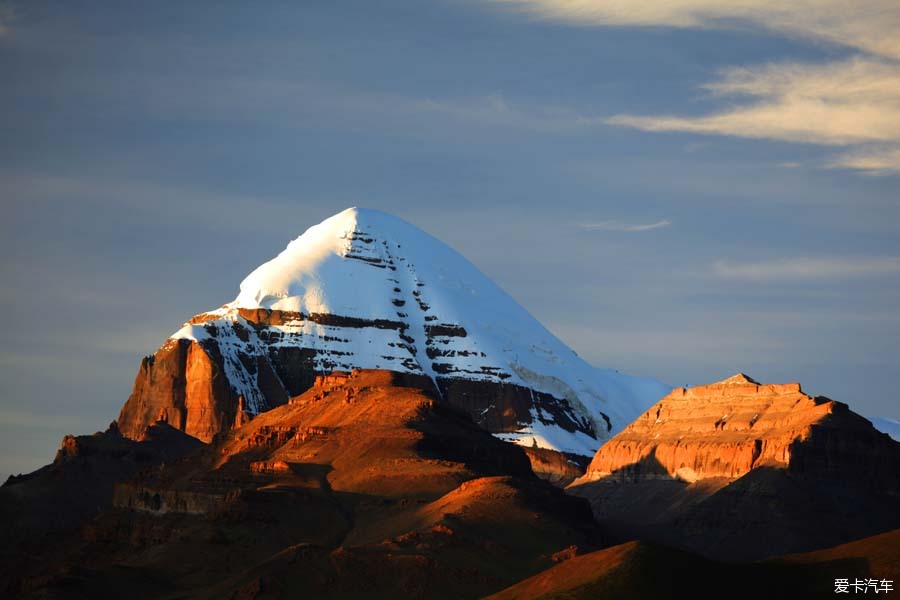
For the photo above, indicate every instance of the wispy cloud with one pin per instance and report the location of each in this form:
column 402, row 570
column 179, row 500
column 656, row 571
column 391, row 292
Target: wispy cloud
column 853, row 103
column 615, row 225
column 872, row 161
column 849, row 102
column 871, row 26
column 494, row 109
column 807, row 268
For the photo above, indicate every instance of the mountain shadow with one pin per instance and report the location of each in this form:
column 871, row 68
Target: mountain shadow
column 359, row 488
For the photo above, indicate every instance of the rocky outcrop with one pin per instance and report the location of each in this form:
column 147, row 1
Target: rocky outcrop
column 742, row 470
column 726, row 429
column 162, row 501
column 184, row 385
column 556, row 467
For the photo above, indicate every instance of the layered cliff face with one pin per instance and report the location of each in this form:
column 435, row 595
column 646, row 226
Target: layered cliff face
column 365, row 290
column 718, row 430
column 741, row 470
column 726, row 429
column 184, row 385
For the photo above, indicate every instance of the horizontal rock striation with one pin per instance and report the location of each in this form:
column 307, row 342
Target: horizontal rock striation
column 255, row 360
column 740, row 470
column 726, row 429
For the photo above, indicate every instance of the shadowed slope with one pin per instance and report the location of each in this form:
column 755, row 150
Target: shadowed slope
column 360, row 487
column 644, row 570
column 38, row 509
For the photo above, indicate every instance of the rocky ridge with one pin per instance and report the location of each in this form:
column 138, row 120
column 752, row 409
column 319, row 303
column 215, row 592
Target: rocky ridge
column 726, row 429
column 742, row 470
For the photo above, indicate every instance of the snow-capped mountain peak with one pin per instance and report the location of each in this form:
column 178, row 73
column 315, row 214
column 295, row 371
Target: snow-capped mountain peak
column 367, row 290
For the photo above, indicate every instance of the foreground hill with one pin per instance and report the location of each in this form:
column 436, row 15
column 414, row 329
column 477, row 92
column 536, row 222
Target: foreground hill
column 739, row 470
column 360, row 487
column 645, row 570
column 41, row 509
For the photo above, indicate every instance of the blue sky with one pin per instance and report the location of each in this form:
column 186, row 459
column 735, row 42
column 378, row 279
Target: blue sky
column 683, row 192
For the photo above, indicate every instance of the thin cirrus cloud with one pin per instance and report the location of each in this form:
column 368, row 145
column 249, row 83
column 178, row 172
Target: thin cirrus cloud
column 807, row 269
column 853, row 104
column 614, row 225
column 870, row 25
column 495, row 110
column 874, row 162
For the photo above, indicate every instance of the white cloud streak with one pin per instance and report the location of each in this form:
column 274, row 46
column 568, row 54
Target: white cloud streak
column 807, row 269
column 624, row 227
column 868, row 25
column 853, row 103
column 872, row 162
column 849, row 102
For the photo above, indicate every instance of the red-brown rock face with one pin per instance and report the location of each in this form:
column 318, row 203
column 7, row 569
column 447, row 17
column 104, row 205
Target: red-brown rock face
column 741, row 471
column 556, row 467
column 726, row 429
column 185, row 387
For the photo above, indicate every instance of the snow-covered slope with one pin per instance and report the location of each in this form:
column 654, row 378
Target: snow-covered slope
column 364, row 289
column 888, row 426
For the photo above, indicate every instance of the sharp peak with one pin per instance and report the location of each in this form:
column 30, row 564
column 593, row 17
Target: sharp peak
column 363, row 216
column 740, row 378
column 361, row 210
column 304, row 271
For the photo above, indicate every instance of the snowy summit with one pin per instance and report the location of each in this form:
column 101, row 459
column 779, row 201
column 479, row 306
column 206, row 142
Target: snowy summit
column 366, row 290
